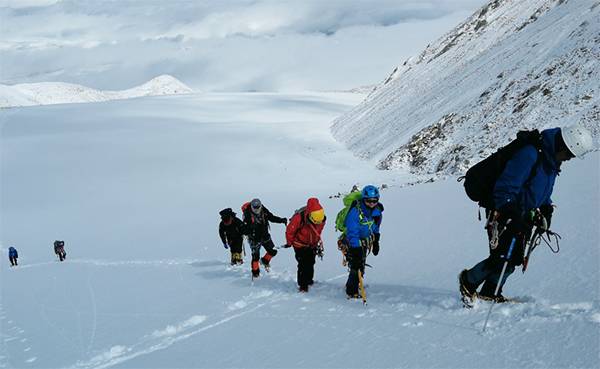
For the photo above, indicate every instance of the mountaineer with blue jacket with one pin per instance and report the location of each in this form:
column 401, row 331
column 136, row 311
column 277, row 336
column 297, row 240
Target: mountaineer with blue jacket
column 12, row 256
column 362, row 235
column 522, row 199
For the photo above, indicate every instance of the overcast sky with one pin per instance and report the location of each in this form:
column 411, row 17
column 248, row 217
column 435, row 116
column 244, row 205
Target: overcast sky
column 234, row 45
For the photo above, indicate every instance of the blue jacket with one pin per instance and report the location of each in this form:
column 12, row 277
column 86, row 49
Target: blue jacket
column 362, row 222
column 12, row 252
column 513, row 185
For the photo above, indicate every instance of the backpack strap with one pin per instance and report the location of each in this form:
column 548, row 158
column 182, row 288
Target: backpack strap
column 538, row 145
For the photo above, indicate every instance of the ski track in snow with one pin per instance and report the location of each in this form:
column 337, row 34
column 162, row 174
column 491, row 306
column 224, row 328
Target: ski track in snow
column 150, row 263
column 163, row 338
column 12, row 334
column 384, row 307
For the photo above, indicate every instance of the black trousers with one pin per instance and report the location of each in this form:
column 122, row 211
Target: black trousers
column 267, row 244
column 488, row 270
column 13, row 261
column 356, row 257
column 235, row 245
column 305, row 256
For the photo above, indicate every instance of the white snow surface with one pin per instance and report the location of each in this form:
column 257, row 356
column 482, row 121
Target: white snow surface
column 514, row 64
column 46, row 93
column 134, row 188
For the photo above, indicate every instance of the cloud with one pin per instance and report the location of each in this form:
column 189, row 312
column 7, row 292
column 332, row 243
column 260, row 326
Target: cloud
column 18, row 4
column 220, row 45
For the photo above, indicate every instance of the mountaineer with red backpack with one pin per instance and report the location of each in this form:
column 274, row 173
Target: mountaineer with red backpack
column 256, row 222
column 514, row 185
column 304, row 234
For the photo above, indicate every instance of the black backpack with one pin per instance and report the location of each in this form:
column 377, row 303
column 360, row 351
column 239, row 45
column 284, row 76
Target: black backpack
column 481, row 178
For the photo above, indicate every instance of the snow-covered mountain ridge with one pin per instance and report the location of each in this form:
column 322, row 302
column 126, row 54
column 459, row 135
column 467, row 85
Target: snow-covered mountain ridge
column 46, row 93
column 514, row 64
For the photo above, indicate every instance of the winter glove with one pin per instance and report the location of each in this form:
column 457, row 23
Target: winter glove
column 510, row 211
column 376, row 244
column 285, row 221
column 510, row 217
column 225, row 245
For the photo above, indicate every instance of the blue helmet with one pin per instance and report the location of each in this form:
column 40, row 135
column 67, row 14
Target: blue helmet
column 370, row 192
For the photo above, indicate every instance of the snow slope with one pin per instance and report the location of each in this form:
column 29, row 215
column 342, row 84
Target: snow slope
column 134, row 188
column 514, row 64
column 46, row 93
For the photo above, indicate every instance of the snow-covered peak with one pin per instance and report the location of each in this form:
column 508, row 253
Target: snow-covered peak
column 513, row 64
column 161, row 85
column 46, row 93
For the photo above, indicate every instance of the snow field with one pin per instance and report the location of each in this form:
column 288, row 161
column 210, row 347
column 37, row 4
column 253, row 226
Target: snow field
column 134, row 188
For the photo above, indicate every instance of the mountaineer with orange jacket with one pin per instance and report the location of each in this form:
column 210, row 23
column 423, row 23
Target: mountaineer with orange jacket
column 304, row 233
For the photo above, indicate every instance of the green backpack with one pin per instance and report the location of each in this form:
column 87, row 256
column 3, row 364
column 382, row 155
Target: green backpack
column 349, row 200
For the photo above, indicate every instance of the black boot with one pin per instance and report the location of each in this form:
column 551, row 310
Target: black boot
column 352, row 283
column 467, row 289
column 487, row 292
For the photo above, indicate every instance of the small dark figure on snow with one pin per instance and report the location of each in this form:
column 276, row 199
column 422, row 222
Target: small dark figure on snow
column 304, row 234
column 12, row 256
column 256, row 223
column 362, row 235
column 59, row 250
column 231, row 232
column 521, row 200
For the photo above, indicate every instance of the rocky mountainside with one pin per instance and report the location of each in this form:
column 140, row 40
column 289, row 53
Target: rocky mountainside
column 512, row 65
column 45, row 93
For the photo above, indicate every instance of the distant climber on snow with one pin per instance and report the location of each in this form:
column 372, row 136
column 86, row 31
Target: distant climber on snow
column 59, row 250
column 231, row 231
column 514, row 185
column 13, row 255
column 256, row 222
column 304, row 233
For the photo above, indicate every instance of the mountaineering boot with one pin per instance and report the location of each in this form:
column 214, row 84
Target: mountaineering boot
column 487, row 293
column 266, row 261
column 255, row 269
column 302, row 288
column 467, row 290
column 352, row 296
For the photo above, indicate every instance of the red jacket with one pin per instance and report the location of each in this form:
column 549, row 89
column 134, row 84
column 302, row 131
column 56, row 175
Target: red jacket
column 300, row 231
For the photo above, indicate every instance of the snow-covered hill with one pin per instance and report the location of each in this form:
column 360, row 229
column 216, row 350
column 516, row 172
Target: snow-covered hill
column 513, row 64
column 134, row 188
column 46, row 93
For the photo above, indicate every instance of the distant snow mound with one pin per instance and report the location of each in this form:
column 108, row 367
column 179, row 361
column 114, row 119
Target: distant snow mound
column 161, row 85
column 514, row 64
column 46, row 93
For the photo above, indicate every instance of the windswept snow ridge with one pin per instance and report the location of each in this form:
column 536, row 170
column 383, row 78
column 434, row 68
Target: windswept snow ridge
column 514, row 64
column 47, row 93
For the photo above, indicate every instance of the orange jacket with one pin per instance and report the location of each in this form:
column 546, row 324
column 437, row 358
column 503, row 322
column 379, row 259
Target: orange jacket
column 300, row 231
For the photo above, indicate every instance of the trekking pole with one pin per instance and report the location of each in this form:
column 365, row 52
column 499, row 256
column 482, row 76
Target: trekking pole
column 361, row 286
column 499, row 284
